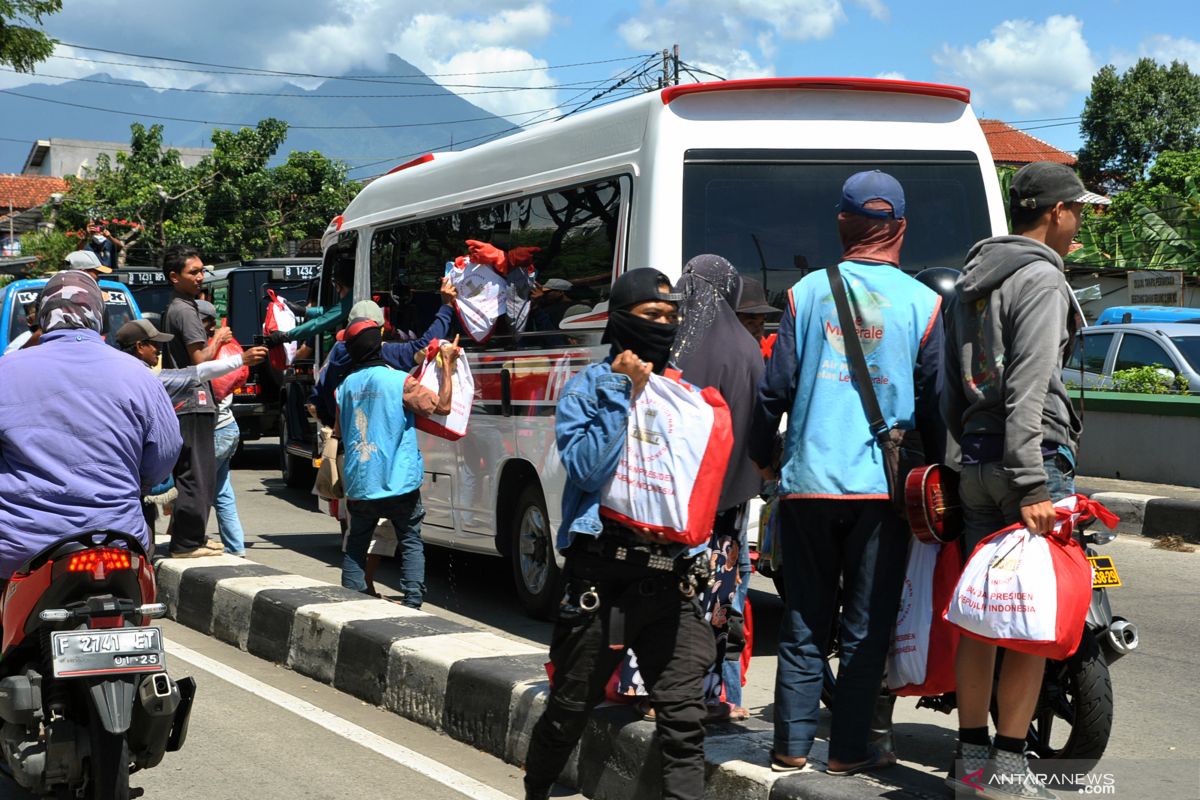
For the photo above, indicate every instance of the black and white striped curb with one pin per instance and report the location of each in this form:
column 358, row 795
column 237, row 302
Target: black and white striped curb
column 475, row 686
column 1152, row 515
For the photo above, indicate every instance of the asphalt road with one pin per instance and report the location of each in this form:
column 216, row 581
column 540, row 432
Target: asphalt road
column 1154, row 750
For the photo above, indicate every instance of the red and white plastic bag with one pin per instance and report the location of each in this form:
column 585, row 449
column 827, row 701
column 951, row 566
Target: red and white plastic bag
column 482, row 296
column 225, row 385
column 279, row 318
column 921, row 659
column 677, row 447
column 450, row 426
column 1027, row 592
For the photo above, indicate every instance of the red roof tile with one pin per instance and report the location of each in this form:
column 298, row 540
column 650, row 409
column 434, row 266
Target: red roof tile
column 1011, row 146
column 28, row 191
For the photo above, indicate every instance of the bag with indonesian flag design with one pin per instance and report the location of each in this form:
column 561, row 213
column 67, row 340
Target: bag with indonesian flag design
column 921, row 660
column 1027, row 592
column 450, row 426
column 677, row 446
column 279, row 318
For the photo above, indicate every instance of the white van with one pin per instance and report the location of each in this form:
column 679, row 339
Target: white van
column 751, row 170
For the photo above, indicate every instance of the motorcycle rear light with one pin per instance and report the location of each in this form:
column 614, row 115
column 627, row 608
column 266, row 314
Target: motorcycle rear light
column 249, row 390
column 101, row 561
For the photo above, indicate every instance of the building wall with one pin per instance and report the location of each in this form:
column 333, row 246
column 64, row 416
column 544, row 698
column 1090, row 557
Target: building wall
column 69, row 157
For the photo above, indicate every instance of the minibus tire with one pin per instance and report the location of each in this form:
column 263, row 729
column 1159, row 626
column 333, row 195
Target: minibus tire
column 535, row 572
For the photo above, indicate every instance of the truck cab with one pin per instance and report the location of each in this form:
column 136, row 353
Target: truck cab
column 119, row 307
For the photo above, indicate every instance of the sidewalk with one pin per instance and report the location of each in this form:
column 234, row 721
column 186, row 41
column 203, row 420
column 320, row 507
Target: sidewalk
column 1148, row 509
column 476, row 687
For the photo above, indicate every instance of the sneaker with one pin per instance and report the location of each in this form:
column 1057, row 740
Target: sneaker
column 1007, row 776
column 965, row 775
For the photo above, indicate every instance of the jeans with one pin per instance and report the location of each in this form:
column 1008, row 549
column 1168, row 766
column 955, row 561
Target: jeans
column 731, row 667
column 989, row 502
column 405, row 513
column 674, row 646
column 228, row 525
column 865, row 544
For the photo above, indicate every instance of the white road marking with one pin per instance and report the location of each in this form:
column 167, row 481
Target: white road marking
column 410, row 759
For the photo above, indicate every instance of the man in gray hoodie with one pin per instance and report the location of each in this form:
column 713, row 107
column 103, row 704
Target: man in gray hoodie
column 1015, row 434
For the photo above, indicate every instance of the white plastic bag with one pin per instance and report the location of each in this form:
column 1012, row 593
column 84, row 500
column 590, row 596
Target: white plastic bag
column 450, row 426
column 482, row 297
column 908, row 658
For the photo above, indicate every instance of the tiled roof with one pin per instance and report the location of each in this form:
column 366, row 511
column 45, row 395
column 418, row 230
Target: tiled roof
column 28, row 191
column 1011, row 146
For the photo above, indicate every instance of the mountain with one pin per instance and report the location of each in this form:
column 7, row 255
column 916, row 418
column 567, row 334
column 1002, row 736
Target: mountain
column 434, row 111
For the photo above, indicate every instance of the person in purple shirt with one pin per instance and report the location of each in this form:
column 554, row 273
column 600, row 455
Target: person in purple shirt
column 84, row 429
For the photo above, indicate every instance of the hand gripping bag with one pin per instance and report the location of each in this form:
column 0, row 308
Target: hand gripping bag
column 279, row 318
column 482, row 296
column 921, row 660
column 450, row 426
column 227, row 383
column 1027, row 592
column 677, row 446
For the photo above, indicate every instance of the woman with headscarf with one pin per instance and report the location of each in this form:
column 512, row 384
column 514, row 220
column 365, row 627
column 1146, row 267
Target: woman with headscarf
column 83, row 429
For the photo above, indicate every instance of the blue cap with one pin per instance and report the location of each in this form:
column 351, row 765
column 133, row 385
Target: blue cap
column 863, row 187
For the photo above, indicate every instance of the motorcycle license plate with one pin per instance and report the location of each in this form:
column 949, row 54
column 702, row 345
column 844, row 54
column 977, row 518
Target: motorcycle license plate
column 1104, row 572
column 109, row 651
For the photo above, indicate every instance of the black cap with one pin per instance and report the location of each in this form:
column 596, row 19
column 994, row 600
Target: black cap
column 1043, row 184
column 640, row 286
column 140, row 330
column 754, row 299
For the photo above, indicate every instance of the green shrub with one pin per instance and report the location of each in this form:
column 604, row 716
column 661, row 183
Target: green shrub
column 1148, row 380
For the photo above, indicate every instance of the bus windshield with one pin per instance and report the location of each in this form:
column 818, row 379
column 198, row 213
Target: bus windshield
column 773, row 213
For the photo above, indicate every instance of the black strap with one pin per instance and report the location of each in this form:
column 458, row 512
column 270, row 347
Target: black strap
column 854, row 355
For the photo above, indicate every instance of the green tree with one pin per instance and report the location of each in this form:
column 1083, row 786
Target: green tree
column 1129, row 119
column 22, row 45
column 51, row 247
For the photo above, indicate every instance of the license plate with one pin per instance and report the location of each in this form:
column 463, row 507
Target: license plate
column 107, row 651
column 1104, row 572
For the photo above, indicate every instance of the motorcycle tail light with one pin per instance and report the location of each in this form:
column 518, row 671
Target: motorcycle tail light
column 100, row 561
column 249, row 390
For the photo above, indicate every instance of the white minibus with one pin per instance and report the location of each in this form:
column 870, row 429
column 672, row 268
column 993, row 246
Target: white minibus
column 750, row 170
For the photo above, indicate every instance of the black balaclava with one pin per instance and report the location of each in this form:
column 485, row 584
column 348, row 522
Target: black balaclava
column 649, row 341
column 365, row 344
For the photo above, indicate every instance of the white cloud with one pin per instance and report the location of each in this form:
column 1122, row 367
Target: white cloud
column 1165, row 49
column 1025, row 67
column 741, row 38
column 892, row 76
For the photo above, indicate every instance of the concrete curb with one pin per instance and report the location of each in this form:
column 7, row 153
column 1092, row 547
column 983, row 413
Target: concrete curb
column 476, row 687
column 1152, row 515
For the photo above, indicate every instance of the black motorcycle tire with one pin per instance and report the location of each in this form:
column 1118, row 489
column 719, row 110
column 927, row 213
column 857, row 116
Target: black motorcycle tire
column 1078, row 691
column 108, row 765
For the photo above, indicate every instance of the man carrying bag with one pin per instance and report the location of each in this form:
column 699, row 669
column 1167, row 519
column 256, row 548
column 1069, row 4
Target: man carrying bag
column 837, row 518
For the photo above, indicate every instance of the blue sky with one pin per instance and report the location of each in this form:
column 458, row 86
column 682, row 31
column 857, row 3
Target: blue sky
column 1026, row 62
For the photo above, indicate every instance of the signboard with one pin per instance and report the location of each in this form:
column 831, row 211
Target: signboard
column 1160, row 287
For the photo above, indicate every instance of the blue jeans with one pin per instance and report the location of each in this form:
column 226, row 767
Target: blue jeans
column 225, row 441
column 989, row 502
column 731, row 670
column 405, row 512
column 864, row 543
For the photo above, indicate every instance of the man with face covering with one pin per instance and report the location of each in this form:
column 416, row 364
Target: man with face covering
column 625, row 587
column 84, row 429
column 836, row 517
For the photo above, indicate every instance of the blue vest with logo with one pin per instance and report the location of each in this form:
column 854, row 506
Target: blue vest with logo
column 380, row 435
column 829, row 451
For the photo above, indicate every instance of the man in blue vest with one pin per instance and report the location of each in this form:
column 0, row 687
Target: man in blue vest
column 836, row 518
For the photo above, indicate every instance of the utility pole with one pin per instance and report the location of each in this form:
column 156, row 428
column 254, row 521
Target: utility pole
column 675, row 64
column 665, row 80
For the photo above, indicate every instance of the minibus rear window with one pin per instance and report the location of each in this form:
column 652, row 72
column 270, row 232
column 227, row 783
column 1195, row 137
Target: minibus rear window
column 773, row 213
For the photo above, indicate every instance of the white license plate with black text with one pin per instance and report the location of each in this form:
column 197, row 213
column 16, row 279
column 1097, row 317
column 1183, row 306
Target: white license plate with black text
column 107, row 651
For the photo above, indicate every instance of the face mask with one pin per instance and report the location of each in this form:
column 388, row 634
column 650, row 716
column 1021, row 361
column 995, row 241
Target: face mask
column 649, row 341
column 98, row 238
column 366, row 346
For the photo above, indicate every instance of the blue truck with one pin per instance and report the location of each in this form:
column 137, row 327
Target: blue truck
column 119, row 308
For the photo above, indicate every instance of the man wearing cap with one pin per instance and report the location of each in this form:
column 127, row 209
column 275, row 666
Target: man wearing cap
column 84, row 430
column 101, row 244
column 836, row 519
column 1010, row 327
column 753, row 311
column 87, row 261
column 383, row 466
column 551, row 303
column 190, row 346
column 625, row 587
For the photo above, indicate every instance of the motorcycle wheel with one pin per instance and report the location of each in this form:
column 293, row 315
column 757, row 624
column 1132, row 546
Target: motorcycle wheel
column 1076, row 695
column 108, row 765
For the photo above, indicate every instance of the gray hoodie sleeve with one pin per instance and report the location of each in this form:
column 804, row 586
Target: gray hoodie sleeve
column 1035, row 325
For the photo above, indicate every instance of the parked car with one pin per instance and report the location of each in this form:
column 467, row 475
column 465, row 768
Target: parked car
column 119, row 308
column 1102, row 350
column 149, row 287
column 239, row 292
column 1127, row 314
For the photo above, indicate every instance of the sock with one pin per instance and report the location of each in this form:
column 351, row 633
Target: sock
column 1009, row 743
column 977, row 736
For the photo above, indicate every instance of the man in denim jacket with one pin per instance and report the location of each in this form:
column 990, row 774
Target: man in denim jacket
column 625, row 587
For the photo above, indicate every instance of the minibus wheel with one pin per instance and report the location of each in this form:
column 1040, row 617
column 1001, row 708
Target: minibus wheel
column 535, row 572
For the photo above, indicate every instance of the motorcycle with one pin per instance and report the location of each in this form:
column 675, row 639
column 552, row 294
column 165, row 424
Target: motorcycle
column 1074, row 714
column 85, row 698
